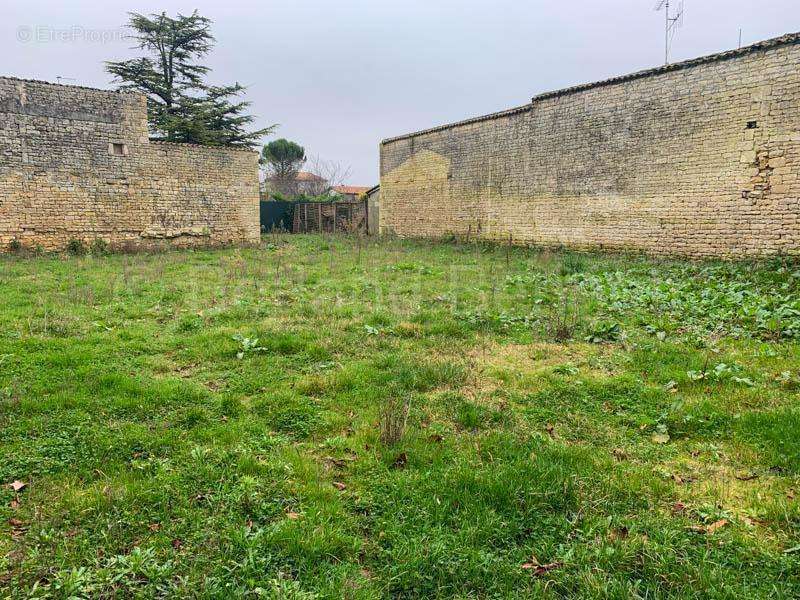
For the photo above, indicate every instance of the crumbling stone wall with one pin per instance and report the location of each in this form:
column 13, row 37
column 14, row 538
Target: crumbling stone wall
column 76, row 163
column 700, row 158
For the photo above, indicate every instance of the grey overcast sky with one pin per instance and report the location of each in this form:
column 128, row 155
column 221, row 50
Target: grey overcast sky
column 340, row 75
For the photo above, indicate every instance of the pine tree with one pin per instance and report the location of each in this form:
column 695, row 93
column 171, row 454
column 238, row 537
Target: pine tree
column 283, row 160
column 182, row 107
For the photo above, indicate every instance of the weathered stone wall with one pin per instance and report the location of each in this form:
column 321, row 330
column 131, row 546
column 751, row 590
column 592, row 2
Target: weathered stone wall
column 373, row 211
column 700, row 159
column 76, row 163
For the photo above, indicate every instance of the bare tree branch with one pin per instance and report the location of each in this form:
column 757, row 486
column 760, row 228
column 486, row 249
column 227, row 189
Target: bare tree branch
column 331, row 174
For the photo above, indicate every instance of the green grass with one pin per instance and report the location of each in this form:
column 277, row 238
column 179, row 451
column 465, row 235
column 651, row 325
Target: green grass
column 208, row 424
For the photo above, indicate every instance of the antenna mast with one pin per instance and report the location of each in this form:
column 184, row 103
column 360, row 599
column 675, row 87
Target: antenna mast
column 671, row 24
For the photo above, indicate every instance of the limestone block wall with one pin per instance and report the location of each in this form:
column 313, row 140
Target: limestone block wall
column 700, row 158
column 77, row 163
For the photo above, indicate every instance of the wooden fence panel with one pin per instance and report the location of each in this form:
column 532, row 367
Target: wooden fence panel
column 330, row 217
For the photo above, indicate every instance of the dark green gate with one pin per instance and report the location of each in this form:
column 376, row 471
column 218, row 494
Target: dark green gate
column 276, row 215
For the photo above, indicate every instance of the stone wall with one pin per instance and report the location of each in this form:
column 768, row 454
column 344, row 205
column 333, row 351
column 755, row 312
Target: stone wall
column 373, row 210
column 700, row 158
column 76, row 163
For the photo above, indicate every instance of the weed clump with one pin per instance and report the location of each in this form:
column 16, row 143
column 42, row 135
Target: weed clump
column 394, row 420
column 76, row 247
column 470, row 416
column 99, row 247
column 572, row 264
column 563, row 318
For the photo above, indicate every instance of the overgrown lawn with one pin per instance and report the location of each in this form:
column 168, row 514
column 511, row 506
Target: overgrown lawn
column 322, row 417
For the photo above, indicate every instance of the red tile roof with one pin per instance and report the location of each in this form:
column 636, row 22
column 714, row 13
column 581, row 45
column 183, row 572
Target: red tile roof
column 306, row 176
column 351, row 189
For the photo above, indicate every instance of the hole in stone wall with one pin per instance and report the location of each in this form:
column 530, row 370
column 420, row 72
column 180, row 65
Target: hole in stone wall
column 118, row 149
column 752, row 124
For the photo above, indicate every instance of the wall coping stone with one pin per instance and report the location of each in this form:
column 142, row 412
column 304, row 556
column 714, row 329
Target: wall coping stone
column 66, row 85
column 124, row 93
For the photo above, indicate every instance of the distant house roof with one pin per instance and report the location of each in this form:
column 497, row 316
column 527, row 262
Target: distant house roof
column 306, row 176
column 351, row 189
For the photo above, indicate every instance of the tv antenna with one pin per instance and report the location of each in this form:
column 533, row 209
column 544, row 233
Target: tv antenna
column 672, row 23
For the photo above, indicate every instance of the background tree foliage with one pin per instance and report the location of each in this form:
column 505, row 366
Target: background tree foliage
column 283, row 160
column 182, row 107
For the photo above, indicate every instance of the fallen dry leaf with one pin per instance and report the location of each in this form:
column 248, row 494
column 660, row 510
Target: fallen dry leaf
column 539, row 570
column 709, row 529
column 339, row 486
column 339, row 463
column 154, row 526
column 18, row 528
column 678, row 507
column 14, row 503
column 618, row 534
column 293, row 515
column 17, row 485
column 176, row 543
column 716, row 525
column 534, row 562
